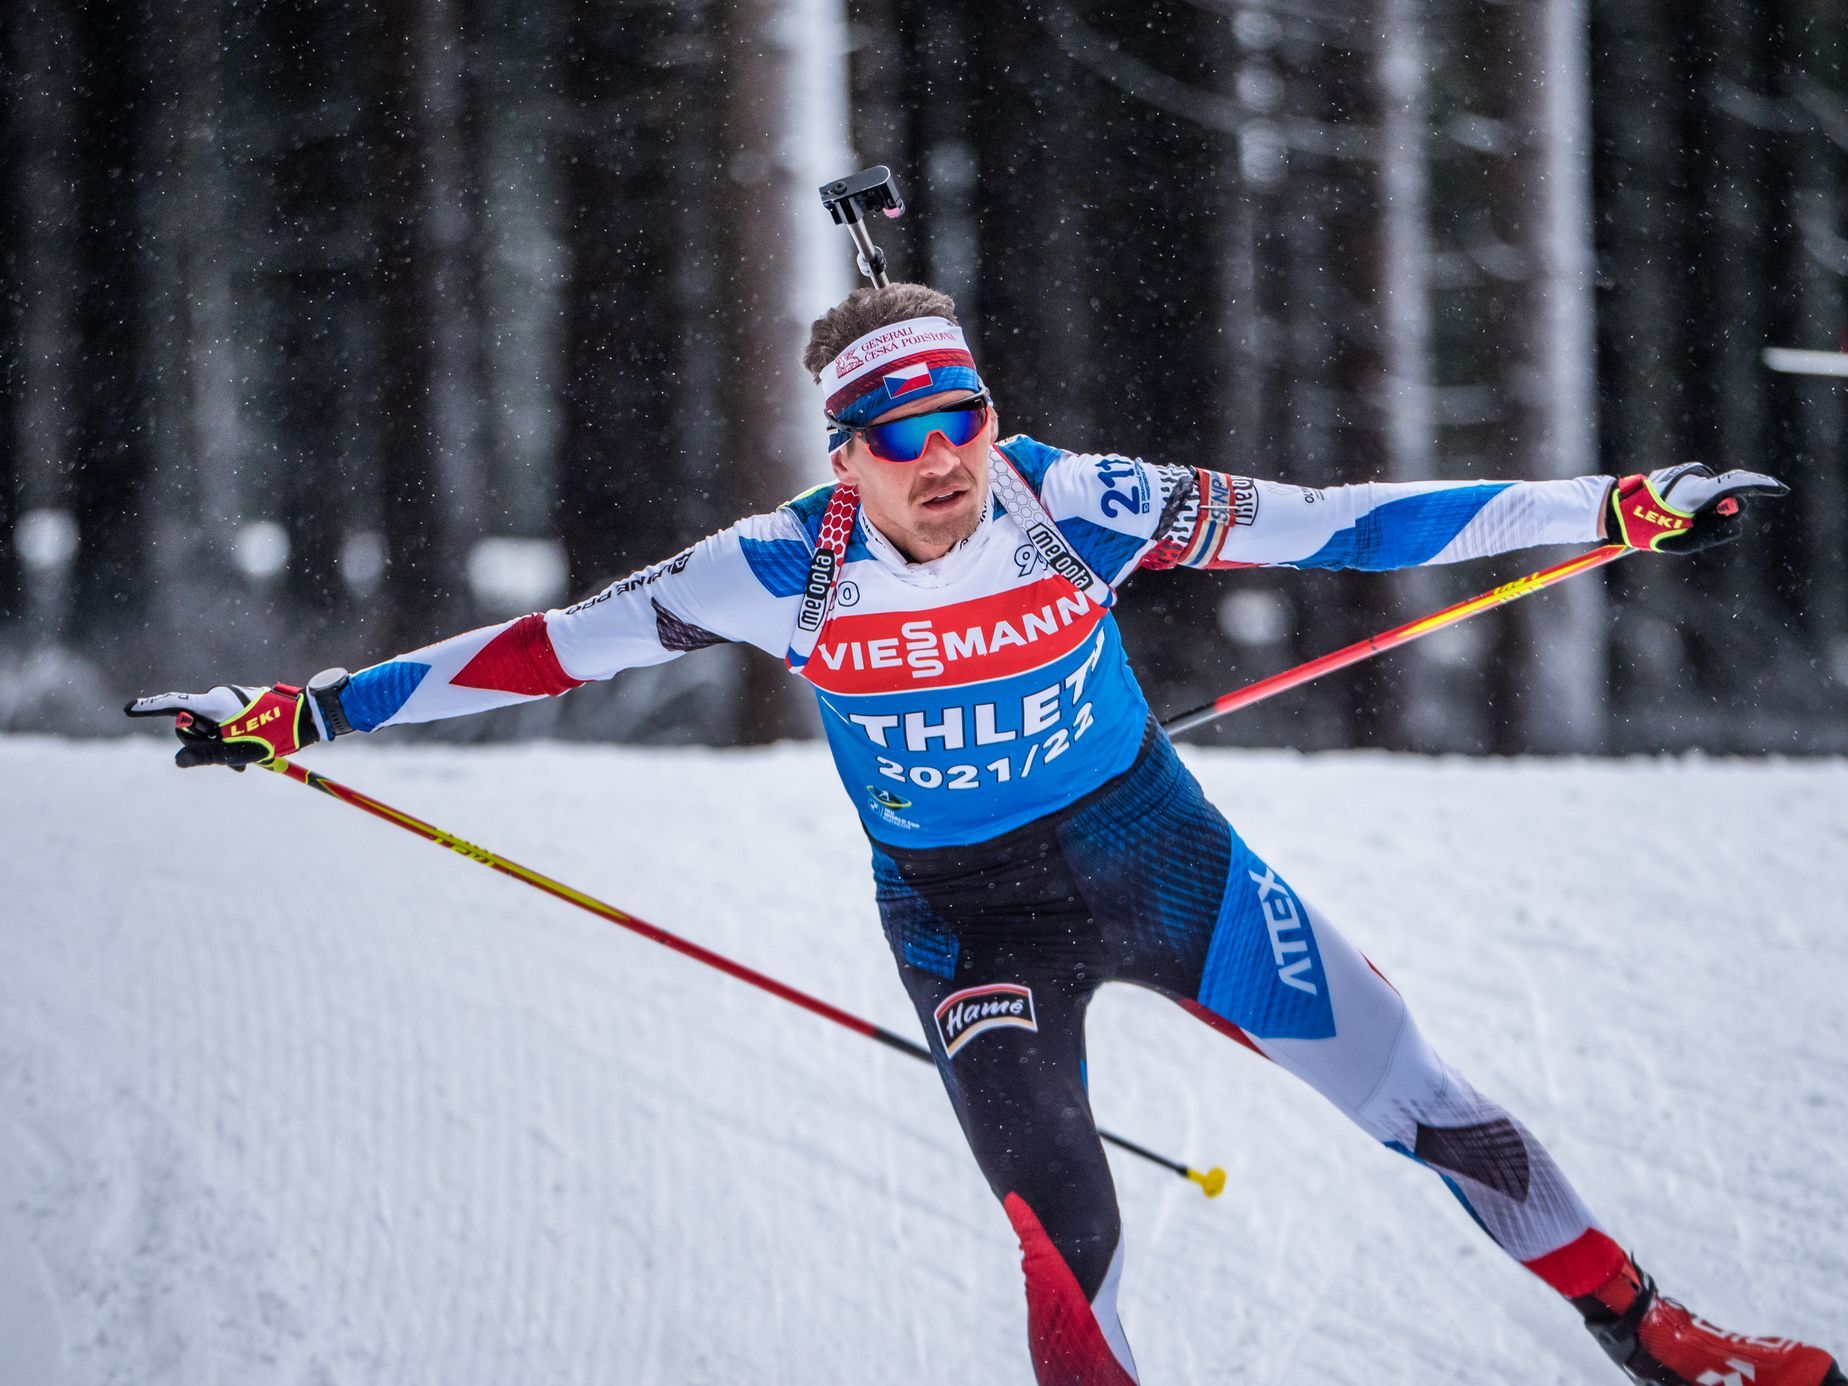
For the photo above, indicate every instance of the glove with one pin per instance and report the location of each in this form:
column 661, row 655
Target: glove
column 234, row 726
column 1683, row 509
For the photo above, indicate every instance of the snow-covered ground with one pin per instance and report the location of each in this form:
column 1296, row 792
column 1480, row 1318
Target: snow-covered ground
column 287, row 1096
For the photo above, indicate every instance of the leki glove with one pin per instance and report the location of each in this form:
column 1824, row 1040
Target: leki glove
column 236, row 726
column 1682, row 509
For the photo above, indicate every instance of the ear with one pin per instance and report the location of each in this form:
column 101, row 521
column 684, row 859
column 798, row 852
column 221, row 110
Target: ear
column 838, row 461
column 991, row 430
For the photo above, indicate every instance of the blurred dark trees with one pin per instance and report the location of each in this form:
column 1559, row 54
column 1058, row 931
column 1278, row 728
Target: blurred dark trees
column 327, row 327
column 111, row 387
column 12, row 381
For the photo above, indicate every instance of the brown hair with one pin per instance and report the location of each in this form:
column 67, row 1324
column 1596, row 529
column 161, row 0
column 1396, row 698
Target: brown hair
column 866, row 310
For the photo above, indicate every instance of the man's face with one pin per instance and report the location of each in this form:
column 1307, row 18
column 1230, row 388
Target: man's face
column 926, row 507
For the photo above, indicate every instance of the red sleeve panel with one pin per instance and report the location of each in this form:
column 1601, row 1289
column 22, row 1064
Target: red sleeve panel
column 519, row 660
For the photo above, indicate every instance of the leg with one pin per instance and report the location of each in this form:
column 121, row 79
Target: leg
column 1003, row 1007
column 1372, row 1062
column 1309, row 1000
column 1193, row 912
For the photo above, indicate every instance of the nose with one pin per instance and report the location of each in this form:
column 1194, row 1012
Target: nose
column 938, row 457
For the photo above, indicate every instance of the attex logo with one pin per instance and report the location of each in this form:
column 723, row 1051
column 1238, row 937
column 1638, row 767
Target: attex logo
column 977, row 1010
column 1287, row 929
column 250, row 724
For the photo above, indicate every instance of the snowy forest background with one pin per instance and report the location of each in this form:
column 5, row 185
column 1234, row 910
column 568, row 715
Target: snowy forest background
column 327, row 328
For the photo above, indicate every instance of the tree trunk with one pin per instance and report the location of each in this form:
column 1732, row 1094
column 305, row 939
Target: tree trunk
column 208, row 433
column 317, row 294
column 1554, row 686
column 430, row 392
column 618, row 455
column 1416, row 714
column 112, row 395
column 784, row 263
column 1812, row 593
column 1648, row 329
column 12, row 317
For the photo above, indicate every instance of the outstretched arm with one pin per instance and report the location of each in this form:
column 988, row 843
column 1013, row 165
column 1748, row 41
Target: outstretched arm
column 1220, row 521
column 729, row 587
column 1123, row 513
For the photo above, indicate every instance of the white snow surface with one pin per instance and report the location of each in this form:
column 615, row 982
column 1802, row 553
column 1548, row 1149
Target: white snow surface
column 289, row 1096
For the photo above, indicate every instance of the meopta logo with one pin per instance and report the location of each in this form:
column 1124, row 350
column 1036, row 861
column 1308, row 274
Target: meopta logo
column 1058, row 557
column 976, row 1010
column 815, row 590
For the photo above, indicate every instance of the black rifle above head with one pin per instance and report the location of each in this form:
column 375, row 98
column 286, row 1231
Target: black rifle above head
column 852, row 199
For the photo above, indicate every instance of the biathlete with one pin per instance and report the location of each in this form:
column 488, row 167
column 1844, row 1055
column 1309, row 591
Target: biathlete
column 1033, row 834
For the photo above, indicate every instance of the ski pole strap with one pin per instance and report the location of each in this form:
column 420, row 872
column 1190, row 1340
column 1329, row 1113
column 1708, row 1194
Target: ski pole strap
column 1020, row 501
column 824, row 573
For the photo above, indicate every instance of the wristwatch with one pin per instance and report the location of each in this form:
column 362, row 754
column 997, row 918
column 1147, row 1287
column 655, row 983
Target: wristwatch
column 324, row 689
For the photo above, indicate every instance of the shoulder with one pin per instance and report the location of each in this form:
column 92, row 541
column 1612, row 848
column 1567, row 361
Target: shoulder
column 1031, row 458
column 805, row 511
column 1104, row 487
column 1105, row 505
column 774, row 547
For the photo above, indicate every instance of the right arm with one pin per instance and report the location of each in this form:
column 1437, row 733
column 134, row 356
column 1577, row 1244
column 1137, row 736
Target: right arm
column 736, row 585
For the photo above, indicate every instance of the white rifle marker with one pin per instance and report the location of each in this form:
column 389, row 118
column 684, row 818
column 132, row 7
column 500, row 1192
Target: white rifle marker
column 1791, row 361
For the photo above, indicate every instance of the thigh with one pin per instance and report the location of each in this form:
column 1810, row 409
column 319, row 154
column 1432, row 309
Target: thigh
column 1002, row 1006
column 1187, row 908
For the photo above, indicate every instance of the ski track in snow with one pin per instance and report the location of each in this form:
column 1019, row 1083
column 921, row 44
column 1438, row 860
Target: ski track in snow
column 289, row 1097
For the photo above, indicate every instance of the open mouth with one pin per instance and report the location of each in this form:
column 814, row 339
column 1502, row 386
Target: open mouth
column 944, row 499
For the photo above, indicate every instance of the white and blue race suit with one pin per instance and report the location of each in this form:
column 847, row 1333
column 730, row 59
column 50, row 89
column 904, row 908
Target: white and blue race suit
column 1035, row 835
column 974, row 693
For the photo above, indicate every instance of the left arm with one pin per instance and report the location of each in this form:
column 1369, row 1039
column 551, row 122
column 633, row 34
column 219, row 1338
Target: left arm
column 1220, row 521
column 1124, row 513
column 1136, row 515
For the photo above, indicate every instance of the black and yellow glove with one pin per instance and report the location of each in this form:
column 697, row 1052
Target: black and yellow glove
column 236, row 726
column 1683, row 509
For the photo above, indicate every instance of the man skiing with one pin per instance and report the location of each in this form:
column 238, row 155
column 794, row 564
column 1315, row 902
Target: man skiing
column 1033, row 833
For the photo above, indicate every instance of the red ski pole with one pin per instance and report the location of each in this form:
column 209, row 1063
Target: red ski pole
column 1211, row 1181
column 1391, row 639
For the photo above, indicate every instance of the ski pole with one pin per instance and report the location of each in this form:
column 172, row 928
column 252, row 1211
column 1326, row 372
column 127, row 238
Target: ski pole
column 1390, row 639
column 1211, row 1181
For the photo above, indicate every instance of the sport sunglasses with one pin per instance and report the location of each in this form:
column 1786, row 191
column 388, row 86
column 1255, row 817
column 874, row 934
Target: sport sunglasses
column 904, row 440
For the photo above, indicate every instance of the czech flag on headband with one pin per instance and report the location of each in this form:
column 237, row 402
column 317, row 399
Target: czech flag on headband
column 908, row 380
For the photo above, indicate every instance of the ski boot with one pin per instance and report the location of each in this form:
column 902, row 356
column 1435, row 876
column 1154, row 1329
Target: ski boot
column 1659, row 1343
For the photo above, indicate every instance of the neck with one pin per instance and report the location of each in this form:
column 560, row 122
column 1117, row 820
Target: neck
column 915, row 548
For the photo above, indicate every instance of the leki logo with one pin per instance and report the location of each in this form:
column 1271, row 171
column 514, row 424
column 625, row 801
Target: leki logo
column 258, row 720
column 1656, row 517
column 976, row 1010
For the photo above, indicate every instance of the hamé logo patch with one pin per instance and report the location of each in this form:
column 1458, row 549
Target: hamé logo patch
column 977, row 1010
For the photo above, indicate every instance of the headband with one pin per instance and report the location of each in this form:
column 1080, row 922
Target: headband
column 891, row 364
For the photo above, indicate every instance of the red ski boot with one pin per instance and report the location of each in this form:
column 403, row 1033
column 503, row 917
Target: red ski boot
column 1659, row 1343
